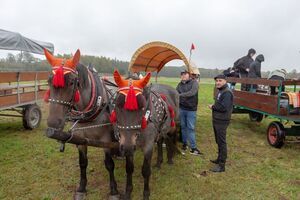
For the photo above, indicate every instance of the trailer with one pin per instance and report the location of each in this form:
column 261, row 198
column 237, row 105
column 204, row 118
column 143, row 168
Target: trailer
column 259, row 104
column 21, row 91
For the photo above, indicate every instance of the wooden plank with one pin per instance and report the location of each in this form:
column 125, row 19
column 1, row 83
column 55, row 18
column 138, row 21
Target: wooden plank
column 256, row 97
column 291, row 82
column 24, row 97
column 257, row 81
column 272, row 109
column 6, row 77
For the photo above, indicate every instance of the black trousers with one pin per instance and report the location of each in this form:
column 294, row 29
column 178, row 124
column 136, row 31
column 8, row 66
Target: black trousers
column 220, row 128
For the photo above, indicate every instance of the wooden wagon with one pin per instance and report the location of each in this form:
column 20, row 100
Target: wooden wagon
column 260, row 103
column 20, row 92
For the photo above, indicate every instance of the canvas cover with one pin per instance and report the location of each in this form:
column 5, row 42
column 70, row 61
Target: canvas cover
column 15, row 41
column 153, row 56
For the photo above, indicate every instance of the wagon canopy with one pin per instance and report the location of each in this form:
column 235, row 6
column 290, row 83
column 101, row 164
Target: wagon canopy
column 15, row 41
column 153, row 56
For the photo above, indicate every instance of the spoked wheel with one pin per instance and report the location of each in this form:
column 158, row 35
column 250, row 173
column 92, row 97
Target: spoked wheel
column 256, row 117
column 32, row 116
column 276, row 134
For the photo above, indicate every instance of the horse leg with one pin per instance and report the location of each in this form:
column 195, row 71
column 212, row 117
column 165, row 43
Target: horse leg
column 110, row 166
column 159, row 153
column 170, row 149
column 129, row 172
column 146, row 172
column 83, row 163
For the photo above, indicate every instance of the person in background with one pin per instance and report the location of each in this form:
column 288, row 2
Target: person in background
column 221, row 115
column 195, row 74
column 231, row 72
column 279, row 74
column 255, row 69
column 243, row 65
column 188, row 103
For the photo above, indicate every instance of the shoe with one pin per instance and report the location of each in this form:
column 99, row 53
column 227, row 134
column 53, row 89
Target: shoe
column 184, row 147
column 195, row 152
column 215, row 161
column 218, row 168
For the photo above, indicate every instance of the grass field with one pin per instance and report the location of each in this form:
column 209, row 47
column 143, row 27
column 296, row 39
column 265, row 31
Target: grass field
column 31, row 166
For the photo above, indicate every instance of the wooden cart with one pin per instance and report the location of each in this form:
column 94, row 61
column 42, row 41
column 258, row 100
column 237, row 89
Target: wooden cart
column 19, row 95
column 260, row 103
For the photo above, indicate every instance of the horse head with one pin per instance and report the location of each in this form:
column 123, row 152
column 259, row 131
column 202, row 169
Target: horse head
column 63, row 90
column 129, row 110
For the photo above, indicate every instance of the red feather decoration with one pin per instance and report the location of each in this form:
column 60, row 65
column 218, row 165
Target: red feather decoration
column 58, row 78
column 131, row 101
column 172, row 123
column 113, row 117
column 144, row 123
column 77, row 96
column 47, row 96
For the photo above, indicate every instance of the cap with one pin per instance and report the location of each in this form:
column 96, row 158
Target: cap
column 220, row 76
column 183, row 71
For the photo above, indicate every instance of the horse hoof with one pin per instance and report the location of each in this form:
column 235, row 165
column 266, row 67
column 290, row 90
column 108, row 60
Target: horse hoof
column 114, row 197
column 79, row 196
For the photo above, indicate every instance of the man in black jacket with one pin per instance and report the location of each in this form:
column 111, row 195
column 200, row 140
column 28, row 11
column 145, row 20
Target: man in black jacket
column 188, row 103
column 255, row 68
column 243, row 64
column 221, row 115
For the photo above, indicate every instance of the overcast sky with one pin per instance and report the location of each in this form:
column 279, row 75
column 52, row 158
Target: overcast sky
column 222, row 31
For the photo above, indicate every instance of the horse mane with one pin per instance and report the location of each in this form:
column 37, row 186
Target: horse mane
column 83, row 75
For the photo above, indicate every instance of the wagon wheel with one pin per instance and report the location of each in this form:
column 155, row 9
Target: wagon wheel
column 256, row 117
column 32, row 116
column 276, row 134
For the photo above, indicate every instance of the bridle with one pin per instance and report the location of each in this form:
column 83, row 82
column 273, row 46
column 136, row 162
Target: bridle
column 69, row 103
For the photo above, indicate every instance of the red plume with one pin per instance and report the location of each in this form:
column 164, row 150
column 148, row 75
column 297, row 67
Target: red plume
column 144, row 123
column 113, row 117
column 172, row 123
column 46, row 96
column 77, row 96
column 131, row 101
column 58, row 78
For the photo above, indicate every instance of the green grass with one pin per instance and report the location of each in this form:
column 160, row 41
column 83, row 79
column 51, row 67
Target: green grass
column 32, row 168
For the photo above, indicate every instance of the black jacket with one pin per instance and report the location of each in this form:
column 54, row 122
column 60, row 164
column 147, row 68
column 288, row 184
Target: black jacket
column 255, row 67
column 188, row 94
column 242, row 64
column 222, row 109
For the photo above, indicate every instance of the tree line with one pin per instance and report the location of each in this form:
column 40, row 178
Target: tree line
column 25, row 61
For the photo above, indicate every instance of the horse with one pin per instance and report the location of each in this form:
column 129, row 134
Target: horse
column 76, row 92
column 141, row 117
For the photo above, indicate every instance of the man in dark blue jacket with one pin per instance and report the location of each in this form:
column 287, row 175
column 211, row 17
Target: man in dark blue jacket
column 188, row 103
column 221, row 115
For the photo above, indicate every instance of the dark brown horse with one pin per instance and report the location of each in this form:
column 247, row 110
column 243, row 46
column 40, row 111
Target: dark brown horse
column 142, row 117
column 77, row 93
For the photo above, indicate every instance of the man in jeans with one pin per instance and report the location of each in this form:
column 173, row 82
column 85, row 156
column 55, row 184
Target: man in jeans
column 188, row 102
column 221, row 115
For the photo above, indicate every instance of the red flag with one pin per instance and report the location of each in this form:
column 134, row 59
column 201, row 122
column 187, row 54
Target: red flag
column 193, row 46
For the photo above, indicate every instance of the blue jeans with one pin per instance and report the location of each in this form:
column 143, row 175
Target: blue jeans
column 187, row 123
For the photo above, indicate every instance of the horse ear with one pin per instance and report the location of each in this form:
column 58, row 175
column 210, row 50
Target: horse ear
column 144, row 81
column 118, row 79
column 50, row 58
column 76, row 58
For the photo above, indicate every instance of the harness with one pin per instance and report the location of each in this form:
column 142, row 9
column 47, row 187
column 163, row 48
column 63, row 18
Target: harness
column 96, row 106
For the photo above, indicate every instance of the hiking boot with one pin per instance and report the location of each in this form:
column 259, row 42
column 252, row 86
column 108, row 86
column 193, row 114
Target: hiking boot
column 215, row 161
column 218, row 168
column 195, row 151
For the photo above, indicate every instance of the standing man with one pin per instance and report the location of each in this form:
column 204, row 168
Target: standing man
column 243, row 64
column 188, row 103
column 221, row 115
column 255, row 68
